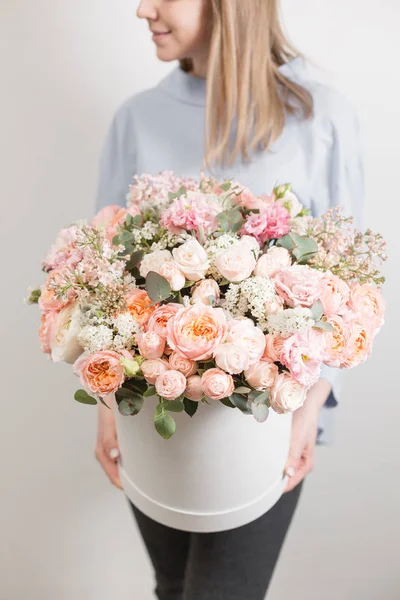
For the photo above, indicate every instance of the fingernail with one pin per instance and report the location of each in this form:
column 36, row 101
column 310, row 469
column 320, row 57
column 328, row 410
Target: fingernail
column 114, row 453
column 290, row 472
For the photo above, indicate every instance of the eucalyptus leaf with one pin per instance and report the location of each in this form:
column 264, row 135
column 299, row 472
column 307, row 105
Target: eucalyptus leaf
column 165, row 425
column 157, row 287
column 131, row 406
column 134, row 260
column 263, row 398
column 242, row 390
column 241, row 403
column 83, row 397
column 227, row 402
column 286, row 242
column 174, row 405
column 260, row 412
column 317, row 310
column 151, row 390
column 190, row 406
column 226, row 186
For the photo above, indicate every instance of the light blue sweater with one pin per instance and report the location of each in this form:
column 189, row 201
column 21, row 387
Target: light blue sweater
column 163, row 128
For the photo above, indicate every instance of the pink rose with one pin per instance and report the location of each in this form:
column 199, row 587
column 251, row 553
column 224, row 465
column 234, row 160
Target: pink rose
column 235, row 263
column 196, row 331
column 273, row 347
column 246, row 199
column 150, row 344
column 101, row 373
column 160, row 317
column 298, row 285
column 217, row 384
column 270, row 263
column 333, row 293
column 262, row 375
column 204, row 289
column 336, row 341
column 244, row 333
column 170, row 385
column 184, row 365
column 151, row 369
column 368, row 302
column 359, row 343
column 287, row 395
column 270, row 223
column 46, row 329
column 192, row 260
column 194, row 390
column 232, row 358
column 170, row 271
column 303, row 354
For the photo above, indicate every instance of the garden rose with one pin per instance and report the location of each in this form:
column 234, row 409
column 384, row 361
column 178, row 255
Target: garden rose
column 154, row 262
column 333, row 293
column 204, row 289
column 270, row 263
column 360, row 338
column 184, row 365
column 244, row 333
column 217, row 384
column 64, row 341
column 235, row 263
column 232, row 358
column 160, row 317
column 273, row 347
column 151, row 369
column 170, row 385
column 262, row 375
column 196, row 331
column 150, row 344
column 298, row 285
column 336, row 341
column 46, row 329
column 101, row 373
column 191, row 259
column 170, row 271
column 194, row 390
column 368, row 302
column 47, row 299
column 286, row 394
column 140, row 306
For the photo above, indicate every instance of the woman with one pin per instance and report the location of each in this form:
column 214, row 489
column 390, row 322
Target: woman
column 241, row 103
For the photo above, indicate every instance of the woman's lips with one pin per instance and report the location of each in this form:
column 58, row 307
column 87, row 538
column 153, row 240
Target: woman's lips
column 157, row 36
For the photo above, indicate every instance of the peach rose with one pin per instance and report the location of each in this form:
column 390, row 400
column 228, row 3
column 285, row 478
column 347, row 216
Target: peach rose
column 298, row 285
column 270, row 263
column 170, row 271
column 46, row 329
column 64, row 342
column 286, row 394
column 359, row 344
column 333, row 293
column 196, row 331
column 194, row 390
column 262, row 375
column 217, row 384
column 232, row 358
column 236, row 263
column 160, row 317
column 170, row 385
column 192, row 260
column 368, row 302
column 150, row 344
column 151, row 369
column 184, row 365
column 154, row 261
column 273, row 347
column 336, row 341
column 140, row 306
column 244, row 333
column 101, row 373
column 204, row 289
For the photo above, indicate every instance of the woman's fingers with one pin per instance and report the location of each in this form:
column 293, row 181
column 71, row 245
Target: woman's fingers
column 109, row 465
column 305, row 466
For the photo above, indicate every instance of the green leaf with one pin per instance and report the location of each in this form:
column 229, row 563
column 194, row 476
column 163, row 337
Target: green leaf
column 157, row 287
column 171, row 196
column 174, row 405
column 230, row 220
column 131, row 406
column 105, row 403
column 212, row 300
column 286, row 242
column 181, row 191
column 227, row 402
column 226, row 186
column 262, row 398
column 165, row 425
column 241, row 403
column 151, row 390
column 317, row 310
column 126, row 237
column 116, row 240
column 137, row 220
column 242, row 390
column 260, row 412
column 324, row 325
column 134, row 260
column 190, row 406
column 83, row 397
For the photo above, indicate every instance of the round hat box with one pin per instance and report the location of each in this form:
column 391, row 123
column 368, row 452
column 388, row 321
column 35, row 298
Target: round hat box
column 220, row 470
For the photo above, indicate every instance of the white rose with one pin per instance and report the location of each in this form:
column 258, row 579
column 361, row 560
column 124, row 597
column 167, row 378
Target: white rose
column 291, row 203
column 244, row 333
column 204, row 289
column 236, row 263
column 262, row 375
column 286, row 394
column 270, row 263
column 232, row 358
column 191, row 259
column 251, row 243
column 64, row 343
column 171, row 272
column 154, row 261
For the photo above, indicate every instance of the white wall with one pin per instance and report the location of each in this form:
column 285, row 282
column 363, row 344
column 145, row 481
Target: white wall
column 65, row 533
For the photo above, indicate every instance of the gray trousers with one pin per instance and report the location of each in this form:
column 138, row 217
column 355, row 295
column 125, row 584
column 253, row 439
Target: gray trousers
column 236, row 564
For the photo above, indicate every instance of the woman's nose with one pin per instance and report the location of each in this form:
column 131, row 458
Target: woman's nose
column 147, row 9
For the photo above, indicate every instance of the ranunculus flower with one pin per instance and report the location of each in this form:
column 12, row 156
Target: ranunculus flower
column 150, row 344
column 154, row 261
column 262, row 375
column 359, row 343
column 194, row 391
column 192, row 260
column 151, row 369
column 303, row 354
column 333, row 293
column 368, row 302
column 244, row 333
column 64, row 342
column 171, row 272
column 101, row 373
column 204, row 289
column 236, row 263
column 232, row 358
column 184, row 365
column 286, row 394
column 298, row 285
column 196, row 331
column 140, row 306
column 46, row 329
column 217, row 384
column 273, row 347
column 160, row 317
column 336, row 341
column 270, row 263
column 170, row 385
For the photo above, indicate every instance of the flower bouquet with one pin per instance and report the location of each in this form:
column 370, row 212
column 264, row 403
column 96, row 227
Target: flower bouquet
column 199, row 291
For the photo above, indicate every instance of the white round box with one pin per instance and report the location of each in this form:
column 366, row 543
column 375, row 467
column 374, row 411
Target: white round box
column 220, row 470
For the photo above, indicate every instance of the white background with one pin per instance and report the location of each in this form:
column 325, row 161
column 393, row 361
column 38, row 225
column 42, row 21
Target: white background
column 66, row 534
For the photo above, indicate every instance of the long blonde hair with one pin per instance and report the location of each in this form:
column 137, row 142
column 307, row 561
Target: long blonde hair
column 247, row 46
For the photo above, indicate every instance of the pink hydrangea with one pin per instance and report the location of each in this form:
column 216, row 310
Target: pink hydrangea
column 270, row 223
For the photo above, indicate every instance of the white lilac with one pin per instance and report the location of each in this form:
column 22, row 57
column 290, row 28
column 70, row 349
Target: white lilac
column 251, row 296
column 289, row 321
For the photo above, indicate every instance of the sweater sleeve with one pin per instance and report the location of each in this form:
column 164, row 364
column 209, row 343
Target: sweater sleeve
column 116, row 165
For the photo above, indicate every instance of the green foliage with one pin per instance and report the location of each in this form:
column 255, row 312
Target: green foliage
column 83, row 397
column 157, row 287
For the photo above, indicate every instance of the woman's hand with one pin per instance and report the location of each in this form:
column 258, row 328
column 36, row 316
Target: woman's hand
column 304, row 434
column 107, row 449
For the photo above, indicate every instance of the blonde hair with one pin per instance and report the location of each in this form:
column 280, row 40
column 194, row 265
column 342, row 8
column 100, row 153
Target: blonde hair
column 247, row 46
